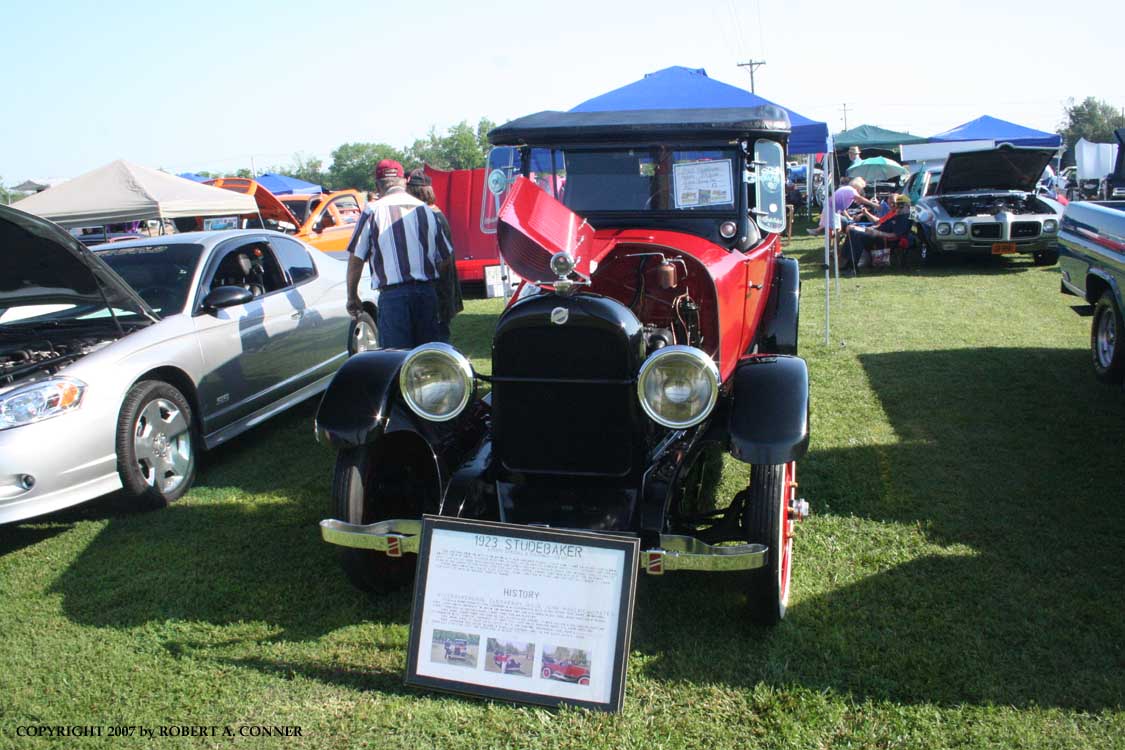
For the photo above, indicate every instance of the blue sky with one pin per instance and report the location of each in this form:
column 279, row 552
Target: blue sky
column 210, row 85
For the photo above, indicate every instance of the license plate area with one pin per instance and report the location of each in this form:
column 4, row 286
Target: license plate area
column 1003, row 248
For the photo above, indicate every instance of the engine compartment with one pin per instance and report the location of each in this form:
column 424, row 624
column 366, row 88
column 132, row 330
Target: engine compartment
column 669, row 292
column 46, row 354
column 987, row 204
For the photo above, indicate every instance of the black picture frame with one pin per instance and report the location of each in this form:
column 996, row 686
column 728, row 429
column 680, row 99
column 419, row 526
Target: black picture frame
column 478, row 681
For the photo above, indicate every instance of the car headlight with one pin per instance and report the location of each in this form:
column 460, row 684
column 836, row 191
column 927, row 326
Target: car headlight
column 1050, row 225
column 943, row 229
column 437, row 382
column 39, row 401
column 678, row 386
column 960, row 228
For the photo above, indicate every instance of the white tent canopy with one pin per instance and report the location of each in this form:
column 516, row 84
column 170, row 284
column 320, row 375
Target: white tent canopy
column 121, row 191
column 1094, row 160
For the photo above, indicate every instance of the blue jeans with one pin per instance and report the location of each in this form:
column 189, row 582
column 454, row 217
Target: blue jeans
column 407, row 316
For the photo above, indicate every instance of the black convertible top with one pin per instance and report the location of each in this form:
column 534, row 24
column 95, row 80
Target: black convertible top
column 641, row 124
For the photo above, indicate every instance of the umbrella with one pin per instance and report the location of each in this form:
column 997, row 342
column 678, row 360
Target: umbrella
column 877, row 168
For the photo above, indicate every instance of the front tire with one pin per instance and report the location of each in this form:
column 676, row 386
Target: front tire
column 767, row 521
column 155, row 444
column 1045, row 258
column 355, row 500
column 1107, row 352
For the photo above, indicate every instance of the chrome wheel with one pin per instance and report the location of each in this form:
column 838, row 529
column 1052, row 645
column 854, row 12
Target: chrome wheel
column 162, row 445
column 1105, row 340
column 364, row 335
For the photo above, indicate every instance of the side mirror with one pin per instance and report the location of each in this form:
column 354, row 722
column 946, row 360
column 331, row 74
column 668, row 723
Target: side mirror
column 226, row 296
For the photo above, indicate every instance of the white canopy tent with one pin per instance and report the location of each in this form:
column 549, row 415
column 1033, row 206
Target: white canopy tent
column 121, row 191
column 1094, row 160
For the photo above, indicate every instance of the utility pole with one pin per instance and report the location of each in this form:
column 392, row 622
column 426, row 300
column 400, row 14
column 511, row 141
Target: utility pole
column 753, row 65
column 845, row 111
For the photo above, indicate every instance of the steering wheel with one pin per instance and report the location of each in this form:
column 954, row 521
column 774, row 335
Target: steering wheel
column 661, row 193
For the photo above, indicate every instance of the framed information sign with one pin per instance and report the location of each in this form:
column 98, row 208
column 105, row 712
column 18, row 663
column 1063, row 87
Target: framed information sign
column 522, row 613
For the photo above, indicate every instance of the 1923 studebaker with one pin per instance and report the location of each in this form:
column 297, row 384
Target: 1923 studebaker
column 656, row 328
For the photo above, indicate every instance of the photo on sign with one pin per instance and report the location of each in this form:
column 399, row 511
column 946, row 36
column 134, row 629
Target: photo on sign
column 220, row 222
column 565, row 664
column 452, row 647
column 510, row 657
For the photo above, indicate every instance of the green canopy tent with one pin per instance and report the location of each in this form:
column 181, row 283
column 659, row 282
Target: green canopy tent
column 870, row 136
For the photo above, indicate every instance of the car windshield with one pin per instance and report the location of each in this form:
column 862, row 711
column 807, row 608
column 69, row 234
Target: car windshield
column 299, row 207
column 160, row 274
column 648, row 178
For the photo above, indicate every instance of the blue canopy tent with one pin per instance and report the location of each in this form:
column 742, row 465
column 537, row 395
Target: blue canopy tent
column 193, row 176
column 690, row 88
column 987, row 128
column 280, row 184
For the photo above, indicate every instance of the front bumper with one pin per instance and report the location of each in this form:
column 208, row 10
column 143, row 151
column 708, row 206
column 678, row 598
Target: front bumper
column 397, row 537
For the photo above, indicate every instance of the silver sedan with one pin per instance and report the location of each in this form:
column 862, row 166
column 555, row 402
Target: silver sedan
column 118, row 364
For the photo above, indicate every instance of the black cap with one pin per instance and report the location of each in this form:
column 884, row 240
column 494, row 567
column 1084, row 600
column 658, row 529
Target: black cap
column 419, row 178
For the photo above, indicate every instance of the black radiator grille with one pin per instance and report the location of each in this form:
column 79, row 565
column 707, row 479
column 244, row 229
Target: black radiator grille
column 986, row 231
column 564, row 399
column 1025, row 229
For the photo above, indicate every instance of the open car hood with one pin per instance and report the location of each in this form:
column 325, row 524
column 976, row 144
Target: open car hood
column 1003, row 168
column 41, row 263
column 533, row 226
column 268, row 204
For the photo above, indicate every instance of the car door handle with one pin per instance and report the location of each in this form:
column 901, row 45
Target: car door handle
column 297, row 315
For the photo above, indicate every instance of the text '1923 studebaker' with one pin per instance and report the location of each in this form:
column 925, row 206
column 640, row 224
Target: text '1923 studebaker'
column 656, row 328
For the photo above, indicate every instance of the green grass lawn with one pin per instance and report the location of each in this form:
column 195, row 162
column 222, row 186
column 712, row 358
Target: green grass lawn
column 960, row 584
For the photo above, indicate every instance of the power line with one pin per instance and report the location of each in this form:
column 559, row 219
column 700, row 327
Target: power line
column 753, row 65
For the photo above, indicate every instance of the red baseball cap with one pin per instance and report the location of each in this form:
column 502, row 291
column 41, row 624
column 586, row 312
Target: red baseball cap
column 388, row 168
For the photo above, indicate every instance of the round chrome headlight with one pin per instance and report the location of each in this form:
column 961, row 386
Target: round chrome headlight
column 943, row 229
column 436, row 381
column 960, row 228
column 1050, row 225
column 678, row 386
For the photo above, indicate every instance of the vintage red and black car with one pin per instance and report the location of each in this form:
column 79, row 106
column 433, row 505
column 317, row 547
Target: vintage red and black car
column 656, row 328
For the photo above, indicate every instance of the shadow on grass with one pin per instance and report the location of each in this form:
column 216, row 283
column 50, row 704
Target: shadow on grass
column 1008, row 467
column 935, row 265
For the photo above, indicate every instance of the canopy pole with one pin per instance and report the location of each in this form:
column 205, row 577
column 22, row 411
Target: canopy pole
column 828, row 212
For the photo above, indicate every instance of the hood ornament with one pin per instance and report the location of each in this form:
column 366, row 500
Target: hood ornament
column 563, row 265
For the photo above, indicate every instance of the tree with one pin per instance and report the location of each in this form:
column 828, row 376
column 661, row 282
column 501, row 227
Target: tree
column 9, row 196
column 307, row 168
column 462, row 147
column 353, row 164
column 1092, row 119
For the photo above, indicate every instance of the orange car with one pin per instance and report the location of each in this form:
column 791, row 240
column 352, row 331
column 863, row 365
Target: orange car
column 324, row 221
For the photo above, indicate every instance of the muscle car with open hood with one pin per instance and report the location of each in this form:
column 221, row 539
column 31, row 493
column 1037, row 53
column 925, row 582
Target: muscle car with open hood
column 985, row 204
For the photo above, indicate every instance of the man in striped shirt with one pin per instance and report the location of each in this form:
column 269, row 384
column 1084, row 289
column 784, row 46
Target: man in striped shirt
column 405, row 245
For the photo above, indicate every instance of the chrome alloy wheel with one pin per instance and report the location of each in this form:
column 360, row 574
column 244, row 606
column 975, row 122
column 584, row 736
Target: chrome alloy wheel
column 162, row 445
column 1105, row 343
column 364, row 337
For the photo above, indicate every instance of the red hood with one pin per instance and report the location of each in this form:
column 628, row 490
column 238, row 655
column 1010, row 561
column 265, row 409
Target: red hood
column 268, row 204
column 533, row 226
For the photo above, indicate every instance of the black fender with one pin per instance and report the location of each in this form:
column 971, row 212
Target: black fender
column 357, row 402
column 768, row 420
column 778, row 332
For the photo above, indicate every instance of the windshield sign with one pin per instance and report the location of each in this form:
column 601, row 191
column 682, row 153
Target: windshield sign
column 769, row 185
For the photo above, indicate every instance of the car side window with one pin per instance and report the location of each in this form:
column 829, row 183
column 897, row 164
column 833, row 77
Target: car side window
column 251, row 266
column 294, row 259
column 347, row 208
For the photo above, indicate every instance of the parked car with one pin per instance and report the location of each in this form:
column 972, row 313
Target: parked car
column 985, row 204
column 117, row 366
column 1092, row 262
column 656, row 328
column 565, row 670
column 325, row 222
column 457, row 650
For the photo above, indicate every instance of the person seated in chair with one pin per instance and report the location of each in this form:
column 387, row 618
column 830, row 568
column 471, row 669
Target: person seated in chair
column 893, row 231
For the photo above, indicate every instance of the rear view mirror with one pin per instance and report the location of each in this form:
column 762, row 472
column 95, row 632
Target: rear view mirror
column 226, row 296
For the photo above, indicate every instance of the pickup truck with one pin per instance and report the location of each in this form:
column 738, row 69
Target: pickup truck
column 1092, row 261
